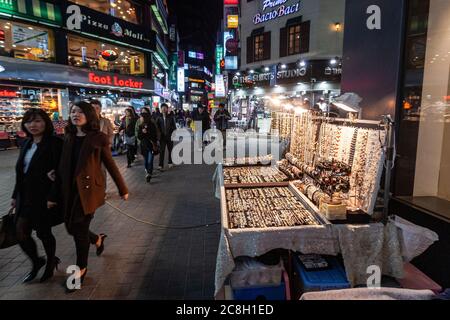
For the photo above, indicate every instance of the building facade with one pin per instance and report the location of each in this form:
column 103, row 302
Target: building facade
column 55, row 52
column 289, row 51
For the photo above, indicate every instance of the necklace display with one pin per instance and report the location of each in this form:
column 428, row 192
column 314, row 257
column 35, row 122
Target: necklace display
column 360, row 149
column 282, row 123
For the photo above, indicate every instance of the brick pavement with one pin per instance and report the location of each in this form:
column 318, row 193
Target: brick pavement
column 139, row 261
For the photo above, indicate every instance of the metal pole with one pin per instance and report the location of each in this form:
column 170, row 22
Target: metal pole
column 389, row 164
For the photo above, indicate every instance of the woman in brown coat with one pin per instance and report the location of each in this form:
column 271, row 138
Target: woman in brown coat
column 80, row 184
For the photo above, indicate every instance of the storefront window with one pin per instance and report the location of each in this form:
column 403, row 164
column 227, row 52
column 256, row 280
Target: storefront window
column 15, row 101
column 123, row 9
column 96, row 55
column 424, row 146
column 23, row 41
column 294, row 40
column 259, row 47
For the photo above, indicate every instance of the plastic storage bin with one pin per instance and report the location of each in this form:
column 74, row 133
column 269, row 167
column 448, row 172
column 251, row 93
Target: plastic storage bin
column 332, row 278
column 281, row 292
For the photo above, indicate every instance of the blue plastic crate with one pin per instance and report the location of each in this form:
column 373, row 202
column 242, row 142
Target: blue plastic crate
column 261, row 293
column 332, row 278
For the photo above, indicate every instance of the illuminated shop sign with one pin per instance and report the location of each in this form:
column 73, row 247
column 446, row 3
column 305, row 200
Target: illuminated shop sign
column 274, row 9
column 196, row 55
column 32, row 9
column 85, row 20
column 115, row 81
column 231, row 63
column 233, row 21
column 319, row 70
column 180, row 80
column 8, row 93
column 219, row 57
column 231, row 2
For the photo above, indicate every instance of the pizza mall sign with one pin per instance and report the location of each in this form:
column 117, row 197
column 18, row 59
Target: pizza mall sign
column 273, row 9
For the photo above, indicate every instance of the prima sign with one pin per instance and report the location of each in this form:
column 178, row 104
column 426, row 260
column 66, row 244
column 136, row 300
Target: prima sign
column 272, row 3
column 277, row 12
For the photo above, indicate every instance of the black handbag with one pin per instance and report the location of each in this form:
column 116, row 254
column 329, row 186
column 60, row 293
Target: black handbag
column 8, row 236
column 156, row 149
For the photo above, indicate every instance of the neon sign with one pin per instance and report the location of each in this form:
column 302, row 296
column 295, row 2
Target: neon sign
column 8, row 93
column 115, row 81
column 281, row 11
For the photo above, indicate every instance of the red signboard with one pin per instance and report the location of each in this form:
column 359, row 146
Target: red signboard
column 115, row 81
column 8, row 93
column 231, row 2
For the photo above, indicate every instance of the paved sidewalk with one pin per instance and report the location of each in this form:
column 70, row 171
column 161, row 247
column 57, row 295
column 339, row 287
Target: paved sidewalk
column 139, row 261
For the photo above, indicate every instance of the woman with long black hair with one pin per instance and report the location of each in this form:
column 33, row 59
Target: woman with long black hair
column 128, row 126
column 80, row 184
column 35, row 174
column 148, row 135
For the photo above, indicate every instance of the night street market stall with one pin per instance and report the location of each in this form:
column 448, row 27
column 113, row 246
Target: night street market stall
column 319, row 199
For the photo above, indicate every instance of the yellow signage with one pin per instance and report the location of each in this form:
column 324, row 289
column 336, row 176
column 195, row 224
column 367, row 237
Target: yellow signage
column 233, row 21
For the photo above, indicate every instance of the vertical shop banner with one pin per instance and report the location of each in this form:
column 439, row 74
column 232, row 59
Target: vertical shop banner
column 220, row 86
column 219, row 57
column 180, row 80
column 372, row 53
column 173, row 69
column 181, row 58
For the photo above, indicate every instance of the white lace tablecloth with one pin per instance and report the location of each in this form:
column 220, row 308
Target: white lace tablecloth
column 361, row 246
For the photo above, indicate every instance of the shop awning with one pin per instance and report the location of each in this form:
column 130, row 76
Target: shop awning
column 48, row 73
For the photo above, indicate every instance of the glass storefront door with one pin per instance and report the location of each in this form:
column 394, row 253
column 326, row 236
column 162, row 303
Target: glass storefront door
column 423, row 166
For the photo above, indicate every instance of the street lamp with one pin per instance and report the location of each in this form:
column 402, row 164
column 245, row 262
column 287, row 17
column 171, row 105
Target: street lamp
column 337, row 26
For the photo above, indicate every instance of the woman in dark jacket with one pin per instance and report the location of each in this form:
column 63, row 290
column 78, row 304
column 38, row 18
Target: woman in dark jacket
column 128, row 126
column 35, row 173
column 80, row 185
column 148, row 135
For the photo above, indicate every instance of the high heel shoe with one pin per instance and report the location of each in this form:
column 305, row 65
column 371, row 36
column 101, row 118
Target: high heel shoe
column 33, row 273
column 81, row 279
column 49, row 269
column 101, row 247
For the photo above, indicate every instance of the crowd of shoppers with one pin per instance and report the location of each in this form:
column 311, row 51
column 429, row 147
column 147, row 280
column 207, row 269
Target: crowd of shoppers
column 64, row 180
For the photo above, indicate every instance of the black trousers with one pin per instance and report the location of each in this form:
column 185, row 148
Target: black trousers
column 28, row 245
column 83, row 239
column 131, row 152
column 163, row 144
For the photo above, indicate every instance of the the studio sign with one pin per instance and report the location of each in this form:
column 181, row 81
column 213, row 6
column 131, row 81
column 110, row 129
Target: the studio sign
column 78, row 21
column 278, row 9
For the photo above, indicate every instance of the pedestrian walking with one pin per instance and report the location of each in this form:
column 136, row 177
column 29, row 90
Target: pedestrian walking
column 221, row 118
column 105, row 126
column 128, row 127
column 156, row 114
column 201, row 115
column 35, row 175
column 166, row 125
column 140, row 121
column 79, row 187
column 148, row 135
